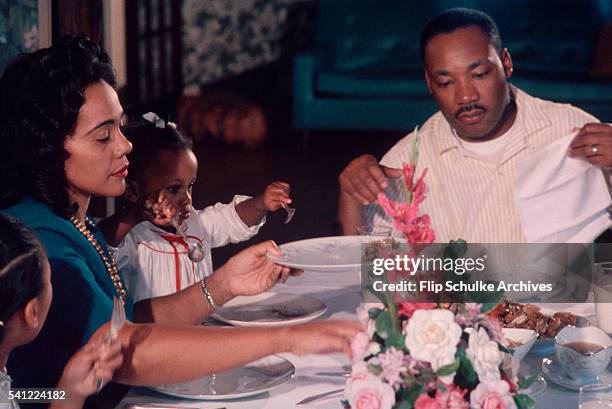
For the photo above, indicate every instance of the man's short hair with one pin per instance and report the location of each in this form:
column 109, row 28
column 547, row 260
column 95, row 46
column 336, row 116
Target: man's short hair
column 457, row 18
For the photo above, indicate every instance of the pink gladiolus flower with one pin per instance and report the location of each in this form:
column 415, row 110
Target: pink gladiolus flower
column 408, row 308
column 403, row 214
column 427, row 402
column 419, row 188
column 421, row 231
column 417, row 229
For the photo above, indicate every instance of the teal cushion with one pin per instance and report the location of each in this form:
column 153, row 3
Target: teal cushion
column 572, row 92
column 371, row 84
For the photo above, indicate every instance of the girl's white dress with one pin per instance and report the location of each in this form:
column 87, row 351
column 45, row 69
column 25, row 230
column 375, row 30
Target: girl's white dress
column 5, row 387
column 154, row 262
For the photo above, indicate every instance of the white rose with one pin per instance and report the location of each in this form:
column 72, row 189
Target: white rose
column 374, row 348
column 484, row 354
column 492, row 395
column 432, row 336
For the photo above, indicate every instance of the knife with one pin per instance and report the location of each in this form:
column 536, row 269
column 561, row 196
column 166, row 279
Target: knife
column 343, row 374
column 319, row 396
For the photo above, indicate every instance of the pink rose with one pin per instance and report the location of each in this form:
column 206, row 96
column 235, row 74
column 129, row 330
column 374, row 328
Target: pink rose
column 427, row 402
column 408, row 308
column 492, row 395
column 367, row 391
column 367, row 399
column 359, row 346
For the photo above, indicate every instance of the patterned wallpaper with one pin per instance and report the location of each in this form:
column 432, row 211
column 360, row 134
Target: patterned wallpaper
column 223, row 38
column 18, row 28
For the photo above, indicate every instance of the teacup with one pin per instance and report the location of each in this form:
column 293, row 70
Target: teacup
column 583, row 352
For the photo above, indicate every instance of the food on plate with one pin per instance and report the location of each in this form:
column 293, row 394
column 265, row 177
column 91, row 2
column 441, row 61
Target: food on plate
column 512, row 343
column 512, row 314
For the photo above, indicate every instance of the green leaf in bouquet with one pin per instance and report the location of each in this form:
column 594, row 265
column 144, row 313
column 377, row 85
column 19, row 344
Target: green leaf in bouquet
column 412, row 393
column 523, row 401
column 409, row 378
column 466, row 376
column 403, row 405
column 383, row 324
column 455, row 249
column 441, row 388
column 395, row 340
column 527, row 381
column 375, row 369
column 449, row 369
column 373, row 313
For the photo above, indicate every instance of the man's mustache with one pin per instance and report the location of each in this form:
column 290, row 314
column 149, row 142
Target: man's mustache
column 469, row 107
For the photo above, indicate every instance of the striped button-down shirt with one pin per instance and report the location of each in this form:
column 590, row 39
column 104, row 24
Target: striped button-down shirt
column 473, row 198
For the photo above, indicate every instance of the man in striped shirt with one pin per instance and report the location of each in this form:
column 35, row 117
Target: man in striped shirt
column 471, row 147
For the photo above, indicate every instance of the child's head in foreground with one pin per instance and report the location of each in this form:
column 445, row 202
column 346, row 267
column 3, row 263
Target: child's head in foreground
column 25, row 285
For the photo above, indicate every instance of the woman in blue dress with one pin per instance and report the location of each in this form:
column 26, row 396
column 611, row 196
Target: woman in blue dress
column 61, row 141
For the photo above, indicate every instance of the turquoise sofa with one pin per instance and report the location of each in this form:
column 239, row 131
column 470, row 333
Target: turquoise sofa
column 365, row 70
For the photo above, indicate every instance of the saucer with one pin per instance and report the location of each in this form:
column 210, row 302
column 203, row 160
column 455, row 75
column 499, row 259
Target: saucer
column 554, row 372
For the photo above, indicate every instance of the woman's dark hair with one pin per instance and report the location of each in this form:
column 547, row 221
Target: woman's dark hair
column 456, row 18
column 148, row 141
column 21, row 265
column 40, row 98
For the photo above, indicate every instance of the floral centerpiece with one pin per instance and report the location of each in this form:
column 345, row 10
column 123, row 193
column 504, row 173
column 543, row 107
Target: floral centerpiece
column 430, row 355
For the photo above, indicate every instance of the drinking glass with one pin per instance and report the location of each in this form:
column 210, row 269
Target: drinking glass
column 595, row 396
column 374, row 230
column 603, row 296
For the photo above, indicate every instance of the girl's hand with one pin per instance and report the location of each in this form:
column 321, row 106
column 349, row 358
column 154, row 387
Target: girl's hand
column 97, row 360
column 276, row 196
column 158, row 208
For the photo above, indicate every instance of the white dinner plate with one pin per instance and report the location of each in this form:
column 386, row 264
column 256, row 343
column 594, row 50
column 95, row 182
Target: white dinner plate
column 554, row 372
column 334, row 253
column 252, row 379
column 270, row 310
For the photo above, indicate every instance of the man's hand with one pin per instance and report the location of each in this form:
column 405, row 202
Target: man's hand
column 593, row 142
column 364, row 178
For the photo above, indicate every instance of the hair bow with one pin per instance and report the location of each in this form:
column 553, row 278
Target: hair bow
column 157, row 121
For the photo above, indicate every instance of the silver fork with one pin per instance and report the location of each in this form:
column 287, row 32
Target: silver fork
column 117, row 321
column 319, row 396
column 290, row 212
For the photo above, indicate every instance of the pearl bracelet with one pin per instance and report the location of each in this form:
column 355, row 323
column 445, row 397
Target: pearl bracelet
column 207, row 294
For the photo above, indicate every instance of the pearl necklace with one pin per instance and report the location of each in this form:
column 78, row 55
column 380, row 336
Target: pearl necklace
column 111, row 265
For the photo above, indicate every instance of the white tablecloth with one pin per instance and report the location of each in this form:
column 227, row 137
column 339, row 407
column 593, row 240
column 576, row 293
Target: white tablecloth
column 340, row 292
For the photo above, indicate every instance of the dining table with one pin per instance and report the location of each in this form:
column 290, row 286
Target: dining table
column 316, row 374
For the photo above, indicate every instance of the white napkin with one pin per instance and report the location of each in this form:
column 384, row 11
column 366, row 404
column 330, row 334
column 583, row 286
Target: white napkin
column 561, row 199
